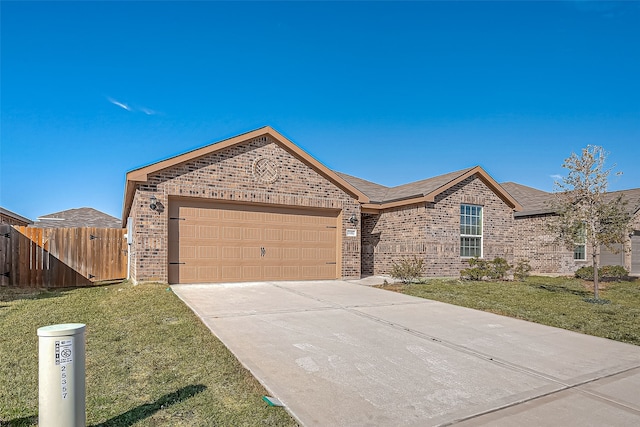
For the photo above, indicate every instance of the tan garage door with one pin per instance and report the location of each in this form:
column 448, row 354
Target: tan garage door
column 220, row 242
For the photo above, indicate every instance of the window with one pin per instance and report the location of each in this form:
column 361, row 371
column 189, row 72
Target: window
column 470, row 231
column 579, row 250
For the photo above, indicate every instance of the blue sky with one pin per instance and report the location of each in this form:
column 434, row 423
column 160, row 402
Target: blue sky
column 389, row 92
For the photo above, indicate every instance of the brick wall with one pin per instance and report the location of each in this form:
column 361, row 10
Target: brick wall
column 534, row 242
column 432, row 231
column 228, row 174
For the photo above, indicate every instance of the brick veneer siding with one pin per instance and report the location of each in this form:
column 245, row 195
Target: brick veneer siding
column 432, row 231
column 535, row 243
column 226, row 175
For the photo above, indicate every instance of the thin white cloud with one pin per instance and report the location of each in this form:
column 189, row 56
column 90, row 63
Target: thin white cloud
column 148, row 111
column 133, row 108
column 556, row 177
column 119, row 104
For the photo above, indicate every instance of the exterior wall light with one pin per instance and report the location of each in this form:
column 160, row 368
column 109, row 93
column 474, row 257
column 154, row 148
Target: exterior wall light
column 153, row 205
column 353, row 219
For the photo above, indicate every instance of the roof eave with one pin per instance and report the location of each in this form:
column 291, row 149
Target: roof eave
column 142, row 174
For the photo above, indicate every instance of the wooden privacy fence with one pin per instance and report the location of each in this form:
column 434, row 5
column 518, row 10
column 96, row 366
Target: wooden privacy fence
column 61, row 257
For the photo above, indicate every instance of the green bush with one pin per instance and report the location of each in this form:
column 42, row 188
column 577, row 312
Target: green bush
column 498, row 269
column 613, row 272
column 585, row 273
column 522, row 269
column 606, row 271
column 408, row 270
column 480, row 268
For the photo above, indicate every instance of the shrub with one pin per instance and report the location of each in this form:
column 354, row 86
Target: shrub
column 498, row 268
column 407, row 270
column 480, row 268
column 613, row 272
column 522, row 269
column 585, row 273
column 606, row 271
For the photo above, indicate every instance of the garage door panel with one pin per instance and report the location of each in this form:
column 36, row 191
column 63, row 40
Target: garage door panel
column 232, row 233
column 187, row 231
column 272, row 234
column 231, row 273
column 208, row 252
column 273, row 253
column 188, row 252
column 291, row 235
column 251, row 253
column 310, row 236
column 251, row 234
column 232, row 253
column 290, row 254
column 290, row 272
column 250, row 272
column 272, row 272
column 232, row 215
column 188, row 274
column 309, row 253
column 218, row 242
column 326, row 236
column 208, row 232
column 207, row 274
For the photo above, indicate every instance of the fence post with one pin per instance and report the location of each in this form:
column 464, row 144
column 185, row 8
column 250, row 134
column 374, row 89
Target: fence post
column 61, row 376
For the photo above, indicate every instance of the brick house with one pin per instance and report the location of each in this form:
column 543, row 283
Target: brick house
column 257, row 207
column 535, row 243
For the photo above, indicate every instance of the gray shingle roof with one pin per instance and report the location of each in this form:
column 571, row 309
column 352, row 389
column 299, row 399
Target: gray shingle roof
column 380, row 194
column 537, row 202
column 80, row 217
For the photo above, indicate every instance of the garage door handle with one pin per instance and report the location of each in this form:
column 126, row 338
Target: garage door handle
column 262, row 252
column 174, row 263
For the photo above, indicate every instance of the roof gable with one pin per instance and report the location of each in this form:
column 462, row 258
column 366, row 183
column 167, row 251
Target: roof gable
column 142, row 174
column 425, row 190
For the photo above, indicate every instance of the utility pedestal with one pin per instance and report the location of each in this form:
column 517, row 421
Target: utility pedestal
column 61, row 376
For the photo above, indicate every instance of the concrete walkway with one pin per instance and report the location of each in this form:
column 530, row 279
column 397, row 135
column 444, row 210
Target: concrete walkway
column 343, row 354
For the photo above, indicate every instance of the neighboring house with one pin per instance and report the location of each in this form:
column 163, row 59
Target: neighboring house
column 256, row 207
column 12, row 218
column 80, row 217
column 537, row 244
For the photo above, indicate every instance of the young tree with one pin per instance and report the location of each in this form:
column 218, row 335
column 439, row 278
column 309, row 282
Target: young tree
column 585, row 213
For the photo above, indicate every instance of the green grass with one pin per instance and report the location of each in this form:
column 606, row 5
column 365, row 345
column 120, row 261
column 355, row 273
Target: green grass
column 559, row 302
column 149, row 360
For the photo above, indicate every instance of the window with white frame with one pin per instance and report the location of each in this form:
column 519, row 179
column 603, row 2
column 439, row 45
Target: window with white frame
column 580, row 247
column 470, row 231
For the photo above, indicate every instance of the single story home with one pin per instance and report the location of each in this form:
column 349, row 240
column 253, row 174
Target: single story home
column 257, row 207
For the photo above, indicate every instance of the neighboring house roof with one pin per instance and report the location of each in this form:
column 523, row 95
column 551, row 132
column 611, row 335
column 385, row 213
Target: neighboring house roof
column 80, row 217
column 538, row 202
column 141, row 174
column 14, row 217
column 425, row 190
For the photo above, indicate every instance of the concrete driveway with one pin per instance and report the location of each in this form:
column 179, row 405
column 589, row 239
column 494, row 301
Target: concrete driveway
column 342, row 354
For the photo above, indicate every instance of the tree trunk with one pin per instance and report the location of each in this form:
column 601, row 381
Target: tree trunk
column 595, row 256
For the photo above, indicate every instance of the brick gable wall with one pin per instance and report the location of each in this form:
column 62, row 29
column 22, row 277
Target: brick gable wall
column 432, row 231
column 227, row 175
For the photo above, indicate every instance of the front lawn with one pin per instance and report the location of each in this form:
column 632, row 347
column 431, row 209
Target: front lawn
column 149, row 360
column 561, row 302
